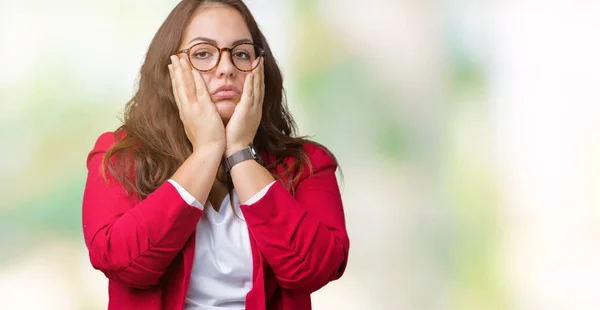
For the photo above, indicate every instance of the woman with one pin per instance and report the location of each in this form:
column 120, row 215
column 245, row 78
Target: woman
column 203, row 198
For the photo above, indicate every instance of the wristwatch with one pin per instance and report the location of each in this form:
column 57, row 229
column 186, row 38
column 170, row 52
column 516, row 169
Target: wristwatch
column 245, row 154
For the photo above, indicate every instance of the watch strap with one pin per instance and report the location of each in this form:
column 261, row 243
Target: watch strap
column 240, row 156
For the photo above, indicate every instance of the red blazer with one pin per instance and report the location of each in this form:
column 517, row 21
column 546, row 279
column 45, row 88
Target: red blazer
column 146, row 248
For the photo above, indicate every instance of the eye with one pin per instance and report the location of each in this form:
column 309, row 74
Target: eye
column 241, row 55
column 202, row 54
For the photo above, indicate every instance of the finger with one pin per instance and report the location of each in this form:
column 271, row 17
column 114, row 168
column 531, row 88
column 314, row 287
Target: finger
column 179, row 88
column 201, row 91
column 258, row 81
column 248, row 92
column 187, row 86
column 174, row 85
column 262, row 79
column 175, row 63
column 174, row 81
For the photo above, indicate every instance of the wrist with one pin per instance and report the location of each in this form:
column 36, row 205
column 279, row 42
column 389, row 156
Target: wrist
column 234, row 148
column 208, row 152
column 246, row 153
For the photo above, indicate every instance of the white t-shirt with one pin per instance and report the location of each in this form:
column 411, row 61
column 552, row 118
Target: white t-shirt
column 222, row 269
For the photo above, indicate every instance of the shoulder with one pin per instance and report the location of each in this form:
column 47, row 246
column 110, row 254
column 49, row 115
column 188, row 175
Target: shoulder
column 104, row 142
column 107, row 139
column 97, row 162
column 319, row 163
column 306, row 159
column 319, row 155
column 317, row 159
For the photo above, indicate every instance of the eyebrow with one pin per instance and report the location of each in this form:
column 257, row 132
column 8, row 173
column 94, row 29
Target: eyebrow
column 215, row 42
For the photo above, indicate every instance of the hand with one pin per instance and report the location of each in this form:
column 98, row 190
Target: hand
column 200, row 118
column 246, row 117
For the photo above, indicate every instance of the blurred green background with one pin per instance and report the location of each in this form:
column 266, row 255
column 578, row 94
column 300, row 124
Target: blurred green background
column 468, row 133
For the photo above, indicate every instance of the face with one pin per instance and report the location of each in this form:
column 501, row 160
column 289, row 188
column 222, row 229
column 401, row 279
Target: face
column 223, row 27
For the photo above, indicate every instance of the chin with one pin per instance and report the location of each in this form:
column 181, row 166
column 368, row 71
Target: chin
column 226, row 108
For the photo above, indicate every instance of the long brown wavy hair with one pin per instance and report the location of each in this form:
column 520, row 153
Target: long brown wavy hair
column 151, row 142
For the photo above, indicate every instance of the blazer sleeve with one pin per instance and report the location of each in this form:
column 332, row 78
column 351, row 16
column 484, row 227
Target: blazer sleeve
column 303, row 238
column 132, row 242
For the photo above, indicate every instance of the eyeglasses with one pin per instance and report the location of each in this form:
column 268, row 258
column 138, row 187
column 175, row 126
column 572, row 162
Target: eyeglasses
column 205, row 57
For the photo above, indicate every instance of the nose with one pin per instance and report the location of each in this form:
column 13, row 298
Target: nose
column 225, row 67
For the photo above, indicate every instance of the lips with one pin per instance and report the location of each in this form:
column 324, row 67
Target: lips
column 225, row 92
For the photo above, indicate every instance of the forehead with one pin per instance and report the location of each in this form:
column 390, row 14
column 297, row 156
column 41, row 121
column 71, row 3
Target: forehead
column 222, row 24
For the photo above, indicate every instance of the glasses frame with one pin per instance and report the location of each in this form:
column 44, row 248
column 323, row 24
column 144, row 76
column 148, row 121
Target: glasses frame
column 260, row 53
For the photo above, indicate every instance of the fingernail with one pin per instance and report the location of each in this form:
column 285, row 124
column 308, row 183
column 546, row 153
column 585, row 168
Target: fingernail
column 170, row 68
